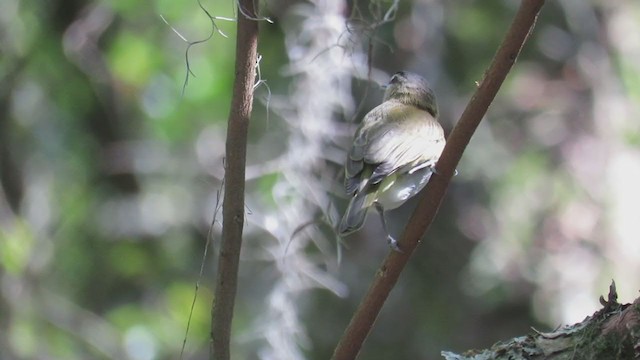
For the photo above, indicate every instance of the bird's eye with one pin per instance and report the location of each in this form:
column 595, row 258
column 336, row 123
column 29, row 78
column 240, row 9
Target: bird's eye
column 396, row 77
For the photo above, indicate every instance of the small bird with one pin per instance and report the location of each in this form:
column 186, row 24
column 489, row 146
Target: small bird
column 394, row 152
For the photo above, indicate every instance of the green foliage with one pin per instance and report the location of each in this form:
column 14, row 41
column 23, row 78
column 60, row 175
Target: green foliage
column 16, row 246
column 132, row 59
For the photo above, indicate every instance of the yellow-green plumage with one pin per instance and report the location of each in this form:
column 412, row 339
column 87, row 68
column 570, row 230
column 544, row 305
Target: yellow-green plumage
column 393, row 152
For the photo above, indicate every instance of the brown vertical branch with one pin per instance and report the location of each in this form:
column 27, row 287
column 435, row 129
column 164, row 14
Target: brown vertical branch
column 233, row 203
column 386, row 277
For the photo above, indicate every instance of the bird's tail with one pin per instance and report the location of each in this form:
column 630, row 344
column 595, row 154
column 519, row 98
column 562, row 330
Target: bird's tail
column 355, row 214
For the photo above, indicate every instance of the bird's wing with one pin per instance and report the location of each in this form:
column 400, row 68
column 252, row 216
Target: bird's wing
column 407, row 137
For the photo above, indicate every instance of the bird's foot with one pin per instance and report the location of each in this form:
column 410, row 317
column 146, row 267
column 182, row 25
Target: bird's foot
column 435, row 171
column 393, row 244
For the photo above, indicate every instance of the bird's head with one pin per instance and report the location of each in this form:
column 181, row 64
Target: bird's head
column 411, row 89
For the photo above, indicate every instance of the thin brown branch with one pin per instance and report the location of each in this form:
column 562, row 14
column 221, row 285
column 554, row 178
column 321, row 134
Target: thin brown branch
column 386, row 277
column 233, row 204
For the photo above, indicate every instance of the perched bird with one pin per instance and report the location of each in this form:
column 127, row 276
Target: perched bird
column 394, row 152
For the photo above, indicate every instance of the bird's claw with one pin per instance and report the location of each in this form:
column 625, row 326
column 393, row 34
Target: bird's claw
column 435, row 171
column 393, row 244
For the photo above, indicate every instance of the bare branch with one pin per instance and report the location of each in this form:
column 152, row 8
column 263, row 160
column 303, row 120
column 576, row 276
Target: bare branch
column 233, row 208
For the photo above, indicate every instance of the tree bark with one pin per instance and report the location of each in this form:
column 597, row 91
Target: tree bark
column 611, row 333
column 235, row 162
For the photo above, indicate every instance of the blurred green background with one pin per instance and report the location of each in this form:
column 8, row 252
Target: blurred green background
column 110, row 175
